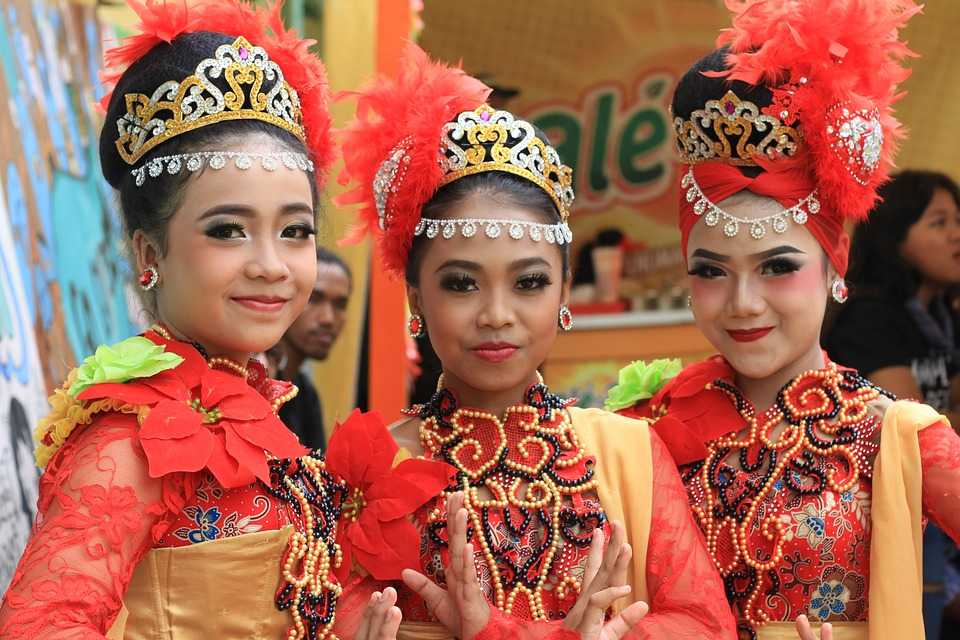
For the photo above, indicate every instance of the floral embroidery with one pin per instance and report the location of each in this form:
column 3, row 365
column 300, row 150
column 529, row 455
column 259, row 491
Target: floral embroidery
column 206, row 521
column 840, row 596
column 810, row 525
column 830, row 599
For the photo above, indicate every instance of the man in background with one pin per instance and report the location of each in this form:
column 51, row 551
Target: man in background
column 310, row 337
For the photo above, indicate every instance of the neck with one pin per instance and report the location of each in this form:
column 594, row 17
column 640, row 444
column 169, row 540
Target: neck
column 213, row 351
column 763, row 391
column 295, row 359
column 927, row 291
column 494, row 402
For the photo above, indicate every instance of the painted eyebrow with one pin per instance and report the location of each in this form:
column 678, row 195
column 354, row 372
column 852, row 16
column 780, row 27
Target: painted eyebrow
column 459, row 264
column 246, row 211
column 516, row 265
column 763, row 255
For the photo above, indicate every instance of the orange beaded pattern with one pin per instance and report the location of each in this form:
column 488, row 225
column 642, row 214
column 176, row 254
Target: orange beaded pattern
column 309, row 591
column 822, row 446
column 530, row 495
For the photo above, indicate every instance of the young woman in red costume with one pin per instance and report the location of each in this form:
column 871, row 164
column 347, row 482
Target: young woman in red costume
column 809, row 482
column 470, row 206
column 174, row 503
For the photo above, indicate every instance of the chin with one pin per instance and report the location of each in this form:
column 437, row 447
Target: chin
column 757, row 365
column 247, row 340
column 492, row 379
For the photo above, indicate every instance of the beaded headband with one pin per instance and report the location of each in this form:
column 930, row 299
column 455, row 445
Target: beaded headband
column 723, row 129
column 714, row 215
column 179, row 107
column 197, row 160
column 558, row 233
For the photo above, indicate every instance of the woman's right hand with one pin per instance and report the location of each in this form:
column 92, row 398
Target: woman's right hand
column 806, row 632
column 381, row 618
column 605, row 582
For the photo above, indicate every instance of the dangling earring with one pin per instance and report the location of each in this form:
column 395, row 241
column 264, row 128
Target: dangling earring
column 149, row 278
column 566, row 318
column 839, row 290
column 415, row 326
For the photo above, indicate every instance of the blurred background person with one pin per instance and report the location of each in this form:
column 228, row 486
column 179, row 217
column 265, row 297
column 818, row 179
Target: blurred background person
column 311, row 336
column 899, row 328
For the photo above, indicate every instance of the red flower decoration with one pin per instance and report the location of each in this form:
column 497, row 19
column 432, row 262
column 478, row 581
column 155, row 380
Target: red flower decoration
column 689, row 412
column 202, row 418
column 375, row 528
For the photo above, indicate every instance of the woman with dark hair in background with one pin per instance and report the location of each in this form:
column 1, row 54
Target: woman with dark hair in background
column 899, row 329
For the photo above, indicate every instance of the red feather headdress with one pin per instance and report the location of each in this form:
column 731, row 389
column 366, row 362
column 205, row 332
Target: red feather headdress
column 163, row 20
column 832, row 67
column 406, row 115
column 825, row 61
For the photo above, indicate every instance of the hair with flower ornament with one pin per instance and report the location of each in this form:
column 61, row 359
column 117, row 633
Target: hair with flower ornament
column 796, row 105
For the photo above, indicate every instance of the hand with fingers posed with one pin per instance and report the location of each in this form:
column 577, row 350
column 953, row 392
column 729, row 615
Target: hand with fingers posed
column 464, row 611
column 381, row 617
column 605, row 582
column 805, row 630
column 461, row 607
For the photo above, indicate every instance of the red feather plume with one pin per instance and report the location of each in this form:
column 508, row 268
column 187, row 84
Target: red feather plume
column 819, row 55
column 164, row 20
column 416, row 104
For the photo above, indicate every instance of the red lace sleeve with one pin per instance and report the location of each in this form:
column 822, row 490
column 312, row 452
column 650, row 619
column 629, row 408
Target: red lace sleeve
column 687, row 599
column 98, row 513
column 940, row 458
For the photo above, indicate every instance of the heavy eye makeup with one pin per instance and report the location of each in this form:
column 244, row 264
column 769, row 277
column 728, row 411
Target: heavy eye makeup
column 780, row 266
column 534, row 281
column 457, row 282
column 231, row 229
column 705, row 270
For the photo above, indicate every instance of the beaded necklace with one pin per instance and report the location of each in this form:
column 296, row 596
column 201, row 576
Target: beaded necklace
column 826, row 445
column 314, row 501
column 535, row 528
column 218, row 361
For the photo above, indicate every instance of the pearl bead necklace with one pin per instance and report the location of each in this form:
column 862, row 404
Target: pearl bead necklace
column 475, row 443
column 823, row 411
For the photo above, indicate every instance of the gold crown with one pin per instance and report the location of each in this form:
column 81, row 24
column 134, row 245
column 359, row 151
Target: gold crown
column 487, row 139
column 733, row 122
column 178, row 107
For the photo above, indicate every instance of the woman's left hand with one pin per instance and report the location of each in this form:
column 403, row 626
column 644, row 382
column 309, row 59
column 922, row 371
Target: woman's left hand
column 806, row 632
column 461, row 607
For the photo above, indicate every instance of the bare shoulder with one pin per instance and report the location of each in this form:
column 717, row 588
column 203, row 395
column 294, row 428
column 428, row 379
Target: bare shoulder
column 406, row 433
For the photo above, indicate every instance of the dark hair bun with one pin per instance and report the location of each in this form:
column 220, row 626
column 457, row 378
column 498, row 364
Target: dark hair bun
column 695, row 89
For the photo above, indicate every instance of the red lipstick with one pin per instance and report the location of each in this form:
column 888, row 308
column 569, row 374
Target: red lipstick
column 494, row 351
column 263, row 304
column 749, row 335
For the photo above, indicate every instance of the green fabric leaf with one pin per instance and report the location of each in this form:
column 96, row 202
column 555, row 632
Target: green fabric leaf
column 135, row 357
column 641, row 381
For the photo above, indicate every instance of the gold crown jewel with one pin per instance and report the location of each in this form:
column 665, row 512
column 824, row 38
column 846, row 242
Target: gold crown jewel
column 487, row 139
column 733, row 122
column 178, row 107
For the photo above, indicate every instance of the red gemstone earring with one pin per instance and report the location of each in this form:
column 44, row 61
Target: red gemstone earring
column 149, row 278
column 839, row 290
column 566, row 318
column 415, row 326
